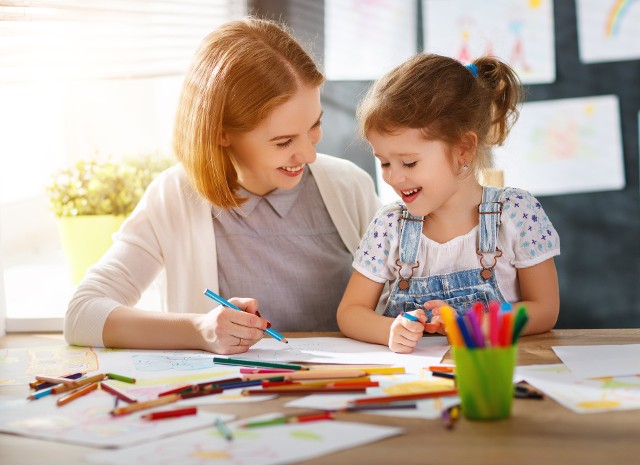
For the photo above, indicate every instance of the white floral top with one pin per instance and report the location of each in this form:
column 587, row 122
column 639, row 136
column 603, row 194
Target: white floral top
column 526, row 238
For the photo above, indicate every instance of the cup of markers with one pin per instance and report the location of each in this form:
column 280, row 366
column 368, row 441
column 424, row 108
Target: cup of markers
column 485, row 354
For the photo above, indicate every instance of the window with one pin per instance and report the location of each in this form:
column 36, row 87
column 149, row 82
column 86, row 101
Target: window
column 80, row 78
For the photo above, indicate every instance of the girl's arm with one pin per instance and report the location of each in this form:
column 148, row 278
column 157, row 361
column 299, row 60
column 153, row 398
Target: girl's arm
column 357, row 318
column 540, row 295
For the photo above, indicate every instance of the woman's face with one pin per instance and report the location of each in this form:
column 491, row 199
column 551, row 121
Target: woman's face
column 273, row 155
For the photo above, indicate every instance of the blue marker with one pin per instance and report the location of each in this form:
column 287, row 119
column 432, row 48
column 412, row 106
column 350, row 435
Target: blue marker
column 225, row 303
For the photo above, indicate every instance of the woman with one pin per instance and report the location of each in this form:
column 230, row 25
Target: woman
column 250, row 210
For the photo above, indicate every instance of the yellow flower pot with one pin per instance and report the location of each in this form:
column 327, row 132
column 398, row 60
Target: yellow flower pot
column 85, row 239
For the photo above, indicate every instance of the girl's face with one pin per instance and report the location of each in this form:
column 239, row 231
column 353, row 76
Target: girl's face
column 420, row 171
column 273, row 155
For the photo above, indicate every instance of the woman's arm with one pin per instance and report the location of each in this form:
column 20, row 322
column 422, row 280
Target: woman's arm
column 222, row 330
column 540, row 295
column 357, row 318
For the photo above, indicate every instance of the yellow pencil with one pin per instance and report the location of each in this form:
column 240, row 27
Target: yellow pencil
column 382, row 370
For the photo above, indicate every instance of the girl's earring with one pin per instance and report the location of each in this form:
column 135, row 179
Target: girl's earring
column 465, row 166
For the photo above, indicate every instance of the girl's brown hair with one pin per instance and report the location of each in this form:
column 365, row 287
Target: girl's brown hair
column 440, row 96
column 240, row 73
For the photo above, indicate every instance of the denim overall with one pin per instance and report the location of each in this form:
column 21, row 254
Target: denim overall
column 459, row 289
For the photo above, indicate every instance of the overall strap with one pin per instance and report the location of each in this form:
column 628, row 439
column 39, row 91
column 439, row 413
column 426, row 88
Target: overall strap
column 411, row 230
column 490, row 211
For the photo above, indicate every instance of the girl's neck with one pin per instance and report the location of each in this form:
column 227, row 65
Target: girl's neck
column 457, row 216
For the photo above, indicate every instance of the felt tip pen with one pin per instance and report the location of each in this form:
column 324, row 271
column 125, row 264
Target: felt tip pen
column 225, row 303
column 180, row 412
column 410, row 317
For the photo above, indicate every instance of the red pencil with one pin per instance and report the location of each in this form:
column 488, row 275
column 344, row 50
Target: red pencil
column 180, row 412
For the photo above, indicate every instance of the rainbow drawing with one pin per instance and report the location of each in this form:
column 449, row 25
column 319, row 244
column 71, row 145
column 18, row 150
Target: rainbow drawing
column 618, row 10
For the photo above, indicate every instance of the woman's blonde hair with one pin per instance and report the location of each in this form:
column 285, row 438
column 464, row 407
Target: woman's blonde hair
column 240, row 73
column 446, row 100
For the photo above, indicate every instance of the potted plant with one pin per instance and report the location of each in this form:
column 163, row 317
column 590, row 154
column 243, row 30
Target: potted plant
column 92, row 198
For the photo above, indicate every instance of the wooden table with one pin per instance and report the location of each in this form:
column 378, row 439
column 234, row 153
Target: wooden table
column 539, row 432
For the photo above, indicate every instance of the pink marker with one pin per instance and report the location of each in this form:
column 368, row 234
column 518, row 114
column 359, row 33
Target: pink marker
column 494, row 308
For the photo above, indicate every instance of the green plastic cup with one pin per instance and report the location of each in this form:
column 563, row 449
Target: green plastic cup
column 485, row 381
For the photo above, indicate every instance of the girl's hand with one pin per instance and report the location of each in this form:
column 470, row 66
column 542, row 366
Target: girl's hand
column 405, row 334
column 435, row 325
column 227, row 331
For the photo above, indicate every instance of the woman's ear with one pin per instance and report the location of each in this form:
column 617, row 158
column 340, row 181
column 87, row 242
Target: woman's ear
column 225, row 139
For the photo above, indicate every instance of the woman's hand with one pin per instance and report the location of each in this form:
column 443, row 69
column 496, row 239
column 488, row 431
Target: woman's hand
column 227, row 331
column 405, row 334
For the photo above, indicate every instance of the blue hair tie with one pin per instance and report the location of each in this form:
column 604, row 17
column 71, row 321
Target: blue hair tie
column 473, row 69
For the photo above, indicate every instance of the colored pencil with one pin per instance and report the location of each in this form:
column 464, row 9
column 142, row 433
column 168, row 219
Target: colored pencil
column 381, row 406
column 246, row 371
column 124, row 379
column 270, row 331
column 38, row 385
column 60, row 388
column 302, row 391
column 223, row 429
column 127, row 409
column 257, row 363
column 442, row 369
column 289, row 419
column 180, row 412
column 400, row 397
column 312, row 374
column 208, row 391
column 119, row 394
column 382, row 370
column 55, row 379
column 43, row 393
column 73, row 395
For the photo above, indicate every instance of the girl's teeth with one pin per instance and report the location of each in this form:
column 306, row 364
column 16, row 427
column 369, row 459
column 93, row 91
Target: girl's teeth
column 412, row 191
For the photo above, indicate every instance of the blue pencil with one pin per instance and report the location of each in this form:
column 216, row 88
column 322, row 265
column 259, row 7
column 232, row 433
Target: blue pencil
column 270, row 331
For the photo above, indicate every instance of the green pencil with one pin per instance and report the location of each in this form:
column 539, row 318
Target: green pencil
column 124, row 379
column 255, row 363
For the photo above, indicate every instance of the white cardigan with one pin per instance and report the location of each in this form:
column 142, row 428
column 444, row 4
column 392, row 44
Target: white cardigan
column 170, row 236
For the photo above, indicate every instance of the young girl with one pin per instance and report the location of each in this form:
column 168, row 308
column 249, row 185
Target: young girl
column 250, row 210
column 431, row 123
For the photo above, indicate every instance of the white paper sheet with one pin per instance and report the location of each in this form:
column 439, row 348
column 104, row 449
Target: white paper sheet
column 565, row 146
column 598, row 361
column 87, row 421
column 584, row 396
column 256, row 446
column 364, row 40
column 518, row 31
column 608, row 30
column 336, row 350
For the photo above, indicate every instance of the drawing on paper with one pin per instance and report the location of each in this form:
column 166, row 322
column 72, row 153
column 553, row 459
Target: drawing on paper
column 519, row 32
